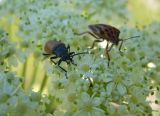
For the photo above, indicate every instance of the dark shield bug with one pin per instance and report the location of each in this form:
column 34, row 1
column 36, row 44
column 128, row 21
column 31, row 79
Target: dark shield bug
column 59, row 50
column 105, row 32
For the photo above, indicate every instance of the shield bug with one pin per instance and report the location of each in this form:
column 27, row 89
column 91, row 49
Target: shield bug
column 105, row 32
column 57, row 49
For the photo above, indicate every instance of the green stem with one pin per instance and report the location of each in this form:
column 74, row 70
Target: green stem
column 24, row 73
column 44, row 82
column 34, row 75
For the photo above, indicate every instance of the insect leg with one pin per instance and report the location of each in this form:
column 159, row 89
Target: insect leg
column 107, row 52
column 71, row 53
column 45, row 54
column 59, row 62
column 110, row 47
column 68, row 47
column 93, row 35
column 97, row 40
column 72, row 61
column 121, row 47
column 54, row 57
column 88, row 33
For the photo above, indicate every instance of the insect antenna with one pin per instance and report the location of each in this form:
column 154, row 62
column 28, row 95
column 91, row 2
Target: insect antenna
column 129, row 38
column 80, row 53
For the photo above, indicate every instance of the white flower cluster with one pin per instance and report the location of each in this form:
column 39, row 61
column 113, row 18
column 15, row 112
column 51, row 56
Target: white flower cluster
column 15, row 101
column 92, row 88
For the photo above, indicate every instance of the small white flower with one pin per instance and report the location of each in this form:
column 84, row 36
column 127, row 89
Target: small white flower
column 89, row 106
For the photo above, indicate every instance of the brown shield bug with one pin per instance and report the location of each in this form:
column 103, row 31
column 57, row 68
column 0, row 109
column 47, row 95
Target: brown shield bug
column 105, row 32
column 58, row 50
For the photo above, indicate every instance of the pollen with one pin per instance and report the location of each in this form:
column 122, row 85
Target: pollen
column 88, row 107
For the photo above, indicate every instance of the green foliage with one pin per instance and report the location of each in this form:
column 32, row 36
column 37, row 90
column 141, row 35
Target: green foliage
column 93, row 88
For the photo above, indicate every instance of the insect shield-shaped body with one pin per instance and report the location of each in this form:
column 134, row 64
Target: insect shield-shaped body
column 105, row 32
column 57, row 49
